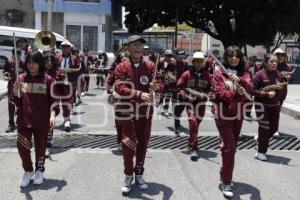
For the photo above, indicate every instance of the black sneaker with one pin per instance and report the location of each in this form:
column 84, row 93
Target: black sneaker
column 10, row 129
column 194, row 155
column 227, row 191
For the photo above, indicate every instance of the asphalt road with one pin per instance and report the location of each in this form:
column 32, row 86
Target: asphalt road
column 98, row 173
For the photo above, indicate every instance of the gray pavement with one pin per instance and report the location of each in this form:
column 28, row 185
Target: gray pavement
column 97, row 174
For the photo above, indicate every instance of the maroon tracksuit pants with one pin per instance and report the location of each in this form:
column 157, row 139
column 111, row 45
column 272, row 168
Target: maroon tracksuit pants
column 229, row 131
column 268, row 122
column 136, row 135
column 195, row 116
column 24, row 145
column 100, row 79
column 11, row 107
column 85, row 81
column 118, row 127
column 178, row 109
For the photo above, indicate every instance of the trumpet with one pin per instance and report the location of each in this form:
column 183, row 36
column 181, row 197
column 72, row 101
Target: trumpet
column 6, row 76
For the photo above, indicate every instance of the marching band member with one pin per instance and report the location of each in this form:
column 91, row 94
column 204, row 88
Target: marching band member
column 193, row 87
column 269, row 93
column 110, row 90
column 69, row 66
column 100, row 64
column 253, row 68
column 54, row 73
column 86, row 62
column 23, row 45
column 228, row 109
column 10, row 75
column 167, row 69
column 34, row 116
column 181, row 67
column 285, row 70
column 134, row 83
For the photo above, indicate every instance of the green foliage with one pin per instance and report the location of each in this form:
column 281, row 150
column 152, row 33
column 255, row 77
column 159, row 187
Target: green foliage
column 239, row 22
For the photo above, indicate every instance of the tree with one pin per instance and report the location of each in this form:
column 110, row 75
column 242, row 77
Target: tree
column 238, row 22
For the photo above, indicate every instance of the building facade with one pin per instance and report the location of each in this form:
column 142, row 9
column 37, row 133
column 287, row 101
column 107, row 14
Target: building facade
column 17, row 13
column 86, row 23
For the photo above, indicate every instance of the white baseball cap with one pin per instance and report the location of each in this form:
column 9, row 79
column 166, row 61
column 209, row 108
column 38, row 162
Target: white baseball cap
column 198, row 55
column 168, row 52
column 279, row 51
column 66, row 43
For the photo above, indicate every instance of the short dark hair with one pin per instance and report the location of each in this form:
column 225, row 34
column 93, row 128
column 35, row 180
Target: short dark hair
column 267, row 57
column 36, row 57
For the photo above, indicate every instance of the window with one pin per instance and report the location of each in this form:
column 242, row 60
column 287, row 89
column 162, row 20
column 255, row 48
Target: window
column 73, row 33
column 83, row 36
column 84, row 1
column 6, row 40
column 90, row 37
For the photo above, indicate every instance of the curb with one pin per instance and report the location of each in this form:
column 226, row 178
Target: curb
column 2, row 95
column 289, row 110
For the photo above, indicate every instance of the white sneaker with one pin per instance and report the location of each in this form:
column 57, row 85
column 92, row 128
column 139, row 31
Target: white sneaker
column 120, row 148
column 140, row 182
column 260, row 156
column 24, row 182
column 194, row 155
column 82, row 94
column 166, row 113
column 67, row 126
column 47, row 153
column 227, row 191
column 276, row 134
column 38, row 178
column 126, row 188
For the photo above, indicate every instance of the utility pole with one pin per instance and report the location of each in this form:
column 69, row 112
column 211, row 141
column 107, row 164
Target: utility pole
column 176, row 26
column 49, row 18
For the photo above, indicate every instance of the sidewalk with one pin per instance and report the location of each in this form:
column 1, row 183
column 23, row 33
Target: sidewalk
column 3, row 89
column 291, row 106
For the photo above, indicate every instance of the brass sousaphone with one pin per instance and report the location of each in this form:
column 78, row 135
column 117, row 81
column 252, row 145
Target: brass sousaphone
column 45, row 40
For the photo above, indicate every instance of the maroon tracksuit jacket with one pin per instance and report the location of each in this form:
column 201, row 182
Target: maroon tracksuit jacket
column 110, row 86
column 199, row 81
column 33, row 117
column 268, row 109
column 228, row 112
column 284, row 68
column 137, row 128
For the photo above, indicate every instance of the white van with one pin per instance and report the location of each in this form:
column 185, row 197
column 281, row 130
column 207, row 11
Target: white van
column 7, row 42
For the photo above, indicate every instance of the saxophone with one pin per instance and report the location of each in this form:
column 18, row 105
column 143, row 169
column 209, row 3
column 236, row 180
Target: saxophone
column 274, row 87
column 171, row 77
column 112, row 98
column 193, row 95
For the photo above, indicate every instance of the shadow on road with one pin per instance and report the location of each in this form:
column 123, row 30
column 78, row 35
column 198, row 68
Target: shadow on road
column 74, row 127
column 204, row 154
column 278, row 160
column 47, row 185
column 153, row 190
column 241, row 189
